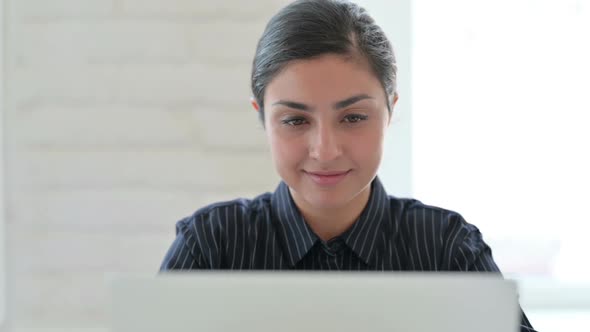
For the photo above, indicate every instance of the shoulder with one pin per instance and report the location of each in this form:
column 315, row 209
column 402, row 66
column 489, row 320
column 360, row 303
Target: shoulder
column 412, row 213
column 434, row 224
column 426, row 229
column 217, row 216
column 203, row 238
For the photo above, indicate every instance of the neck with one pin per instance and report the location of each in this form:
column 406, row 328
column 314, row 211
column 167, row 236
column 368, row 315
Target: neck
column 329, row 223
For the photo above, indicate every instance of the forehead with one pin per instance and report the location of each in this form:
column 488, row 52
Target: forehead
column 324, row 79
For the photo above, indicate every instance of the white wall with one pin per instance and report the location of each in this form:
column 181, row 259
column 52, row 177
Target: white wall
column 500, row 134
column 121, row 117
column 500, row 125
column 395, row 18
column 2, row 214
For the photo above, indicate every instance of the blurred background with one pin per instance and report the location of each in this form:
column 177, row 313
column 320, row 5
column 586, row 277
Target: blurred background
column 120, row 117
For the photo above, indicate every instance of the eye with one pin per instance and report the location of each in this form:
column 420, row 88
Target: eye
column 295, row 121
column 354, row 118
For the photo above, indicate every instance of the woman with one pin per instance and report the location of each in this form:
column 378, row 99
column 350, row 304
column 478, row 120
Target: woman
column 324, row 86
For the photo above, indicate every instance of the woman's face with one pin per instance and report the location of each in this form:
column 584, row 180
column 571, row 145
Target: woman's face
column 325, row 120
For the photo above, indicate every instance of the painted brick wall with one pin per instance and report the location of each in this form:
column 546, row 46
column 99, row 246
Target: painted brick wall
column 121, row 117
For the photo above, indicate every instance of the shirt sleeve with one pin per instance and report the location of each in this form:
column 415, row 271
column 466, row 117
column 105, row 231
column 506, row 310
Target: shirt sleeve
column 184, row 253
column 473, row 254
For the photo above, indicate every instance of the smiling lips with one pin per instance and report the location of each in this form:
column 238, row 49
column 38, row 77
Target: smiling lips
column 327, row 178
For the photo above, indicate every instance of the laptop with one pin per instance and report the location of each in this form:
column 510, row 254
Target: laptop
column 313, row 301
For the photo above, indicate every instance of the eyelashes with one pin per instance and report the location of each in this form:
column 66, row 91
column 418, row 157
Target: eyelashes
column 299, row 120
column 293, row 121
column 354, row 118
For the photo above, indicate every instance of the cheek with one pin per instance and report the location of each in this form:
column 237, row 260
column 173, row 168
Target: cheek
column 286, row 150
column 367, row 147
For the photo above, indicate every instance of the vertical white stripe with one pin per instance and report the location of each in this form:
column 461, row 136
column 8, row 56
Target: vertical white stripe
column 174, row 254
column 452, row 243
column 207, row 245
column 417, row 244
column 193, row 249
column 267, row 225
column 368, row 220
column 284, row 205
column 185, row 249
column 466, row 266
column 403, row 241
column 414, row 267
column 212, row 232
column 274, row 246
column 235, row 224
column 389, row 238
column 440, row 233
column 365, row 221
column 201, row 248
column 200, row 261
column 226, row 231
column 183, row 265
column 434, row 240
column 298, row 226
column 424, row 223
column 244, row 242
column 352, row 231
column 255, row 240
column 309, row 236
column 192, row 264
column 378, row 220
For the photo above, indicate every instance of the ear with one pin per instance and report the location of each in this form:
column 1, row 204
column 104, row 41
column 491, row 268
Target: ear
column 255, row 104
column 395, row 98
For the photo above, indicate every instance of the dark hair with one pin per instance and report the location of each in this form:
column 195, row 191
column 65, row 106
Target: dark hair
column 309, row 28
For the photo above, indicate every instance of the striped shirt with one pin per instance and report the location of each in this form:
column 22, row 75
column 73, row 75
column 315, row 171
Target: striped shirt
column 269, row 233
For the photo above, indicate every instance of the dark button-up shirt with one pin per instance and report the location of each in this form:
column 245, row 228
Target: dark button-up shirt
column 269, row 233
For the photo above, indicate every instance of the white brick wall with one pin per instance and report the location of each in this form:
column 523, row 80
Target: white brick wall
column 2, row 216
column 121, row 117
column 113, row 40
column 27, row 9
column 132, row 83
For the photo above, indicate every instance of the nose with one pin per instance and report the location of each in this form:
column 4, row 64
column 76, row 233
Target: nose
column 324, row 144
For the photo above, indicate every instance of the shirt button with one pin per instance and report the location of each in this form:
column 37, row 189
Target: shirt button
column 333, row 246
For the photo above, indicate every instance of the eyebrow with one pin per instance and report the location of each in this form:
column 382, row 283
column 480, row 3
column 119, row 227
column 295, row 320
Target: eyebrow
column 336, row 106
column 349, row 101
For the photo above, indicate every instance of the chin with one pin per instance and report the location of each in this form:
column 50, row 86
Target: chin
column 323, row 199
column 325, row 203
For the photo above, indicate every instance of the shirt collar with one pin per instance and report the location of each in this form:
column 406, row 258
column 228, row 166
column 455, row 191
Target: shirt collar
column 365, row 237
column 295, row 234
